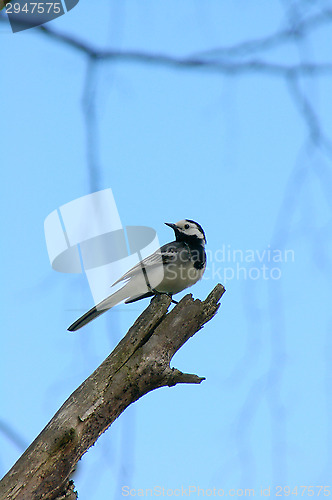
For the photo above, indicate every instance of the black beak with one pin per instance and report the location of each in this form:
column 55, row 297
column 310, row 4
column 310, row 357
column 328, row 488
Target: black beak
column 170, row 224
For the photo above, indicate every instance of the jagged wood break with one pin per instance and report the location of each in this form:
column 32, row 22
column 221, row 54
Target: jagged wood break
column 138, row 364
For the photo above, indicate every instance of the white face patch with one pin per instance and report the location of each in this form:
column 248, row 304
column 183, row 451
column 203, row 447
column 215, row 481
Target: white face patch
column 190, row 228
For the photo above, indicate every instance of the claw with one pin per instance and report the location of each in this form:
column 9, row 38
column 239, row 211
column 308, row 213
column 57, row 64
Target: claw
column 153, row 290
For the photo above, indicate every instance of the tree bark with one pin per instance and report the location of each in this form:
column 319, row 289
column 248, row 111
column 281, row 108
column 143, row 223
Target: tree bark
column 137, row 365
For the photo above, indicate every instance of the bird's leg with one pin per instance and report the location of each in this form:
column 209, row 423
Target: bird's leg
column 153, row 290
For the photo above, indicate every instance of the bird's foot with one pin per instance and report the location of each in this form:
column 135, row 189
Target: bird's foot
column 153, row 290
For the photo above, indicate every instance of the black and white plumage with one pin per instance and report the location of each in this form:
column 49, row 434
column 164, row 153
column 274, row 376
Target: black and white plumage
column 172, row 268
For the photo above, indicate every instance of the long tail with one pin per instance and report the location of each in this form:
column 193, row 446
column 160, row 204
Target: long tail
column 86, row 318
column 100, row 308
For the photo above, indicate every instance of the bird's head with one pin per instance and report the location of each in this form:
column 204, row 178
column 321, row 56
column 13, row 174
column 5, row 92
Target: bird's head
column 189, row 230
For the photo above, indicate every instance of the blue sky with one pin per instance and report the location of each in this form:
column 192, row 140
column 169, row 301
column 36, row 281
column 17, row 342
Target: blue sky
column 231, row 152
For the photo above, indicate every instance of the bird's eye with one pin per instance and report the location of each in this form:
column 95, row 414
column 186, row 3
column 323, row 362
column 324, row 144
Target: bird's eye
column 186, row 226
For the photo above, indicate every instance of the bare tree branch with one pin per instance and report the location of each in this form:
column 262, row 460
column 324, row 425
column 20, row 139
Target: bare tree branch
column 91, row 125
column 231, row 61
column 302, row 28
column 198, row 61
column 316, row 134
column 140, row 363
column 220, row 60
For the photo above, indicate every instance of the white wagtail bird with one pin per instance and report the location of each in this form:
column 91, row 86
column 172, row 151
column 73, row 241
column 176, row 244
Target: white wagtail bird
column 172, row 268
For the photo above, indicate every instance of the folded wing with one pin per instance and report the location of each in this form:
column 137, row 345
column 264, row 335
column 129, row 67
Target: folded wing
column 160, row 257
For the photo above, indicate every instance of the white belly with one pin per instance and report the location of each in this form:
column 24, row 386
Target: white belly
column 177, row 278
